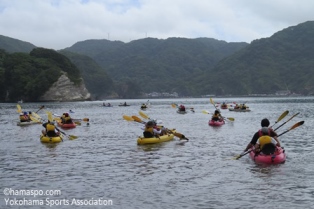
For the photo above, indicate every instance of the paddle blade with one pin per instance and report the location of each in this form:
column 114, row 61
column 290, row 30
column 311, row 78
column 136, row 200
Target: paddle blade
column 128, row 118
column 143, row 115
column 50, row 118
column 297, row 125
column 78, row 123
column 239, row 156
column 282, row 116
column 36, row 115
column 85, row 119
column 231, row 119
column 137, row 119
column 72, row 137
column 179, row 135
column 293, row 127
column 174, row 105
column 34, row 119
column 19, row 109
column 205, row 112
column 211, row 101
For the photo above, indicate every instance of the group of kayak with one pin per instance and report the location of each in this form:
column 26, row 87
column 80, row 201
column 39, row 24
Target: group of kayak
column 51, row 134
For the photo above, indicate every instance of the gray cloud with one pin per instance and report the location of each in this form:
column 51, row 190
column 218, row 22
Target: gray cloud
column 58, row 24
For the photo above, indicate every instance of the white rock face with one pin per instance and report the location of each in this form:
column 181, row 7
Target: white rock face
column 65, row 90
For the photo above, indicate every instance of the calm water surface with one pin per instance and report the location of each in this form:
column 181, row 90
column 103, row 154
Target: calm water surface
column 105, row 162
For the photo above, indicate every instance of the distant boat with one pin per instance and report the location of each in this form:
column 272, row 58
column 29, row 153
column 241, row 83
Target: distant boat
column 121, row 105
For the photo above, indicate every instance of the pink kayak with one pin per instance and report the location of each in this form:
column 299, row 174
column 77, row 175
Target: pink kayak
column 216, row 123
column 278, row 157
column 67, row 125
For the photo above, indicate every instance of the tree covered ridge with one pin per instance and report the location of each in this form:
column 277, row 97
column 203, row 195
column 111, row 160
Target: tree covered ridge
column 29, row 76
column 282, row 62
column 191, row 67
column 158, row 65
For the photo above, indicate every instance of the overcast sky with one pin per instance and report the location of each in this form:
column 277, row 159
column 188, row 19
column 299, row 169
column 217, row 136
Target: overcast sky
column 57, row 24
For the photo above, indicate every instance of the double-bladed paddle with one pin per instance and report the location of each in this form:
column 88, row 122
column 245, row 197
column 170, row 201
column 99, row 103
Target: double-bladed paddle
column 206, row 112
column 179, row 135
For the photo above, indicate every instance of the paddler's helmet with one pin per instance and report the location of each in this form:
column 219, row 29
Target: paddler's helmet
column 25, row 113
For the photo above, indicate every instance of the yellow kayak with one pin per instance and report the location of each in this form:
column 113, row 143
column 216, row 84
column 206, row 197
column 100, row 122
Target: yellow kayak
column 26, row 123
column 163, row 138
column 47, row 139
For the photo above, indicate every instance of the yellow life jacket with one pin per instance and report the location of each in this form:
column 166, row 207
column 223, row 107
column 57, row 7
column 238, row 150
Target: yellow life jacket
column 50, row 127
column 22, row 118
column 264, row 140
column 148, row 132
column 67, row 118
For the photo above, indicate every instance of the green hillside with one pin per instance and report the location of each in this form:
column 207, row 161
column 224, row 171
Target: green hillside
column 285, row 61
column 14, row 45
column 190, row 67
column 29, row 76
column 95, row 78
column 159, row 65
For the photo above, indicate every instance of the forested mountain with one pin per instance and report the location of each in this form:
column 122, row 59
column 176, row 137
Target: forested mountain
column 96, row 79
column 194, row 67
column 29, row 76
column 191, row 67
column 285, row 61
column 14, row 45
column 157, row 65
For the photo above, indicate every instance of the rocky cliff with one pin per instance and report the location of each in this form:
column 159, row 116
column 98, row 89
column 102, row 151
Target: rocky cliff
column 65, row 90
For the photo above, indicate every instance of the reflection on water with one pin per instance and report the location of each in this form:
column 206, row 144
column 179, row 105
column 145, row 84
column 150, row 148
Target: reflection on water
column 105, row 161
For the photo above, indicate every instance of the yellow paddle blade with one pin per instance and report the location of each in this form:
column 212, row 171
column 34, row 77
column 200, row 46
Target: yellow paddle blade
column 19, row 109
column 211, row 101
column 128, row 118
column 72, row 137
column 143, row 115
column 231, row 119
column 179, row 135
column 283, row 115
column 56, row 119
column 36, row 115
column 236, row 157
column 173, row 105
column 85, row 119
column 137, row 119
column 50, row 118
column 35, row 119
column 297, row 125
column 78, row 123
column 205, row 112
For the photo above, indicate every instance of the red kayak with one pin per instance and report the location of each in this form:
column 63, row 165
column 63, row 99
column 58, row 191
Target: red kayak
column 67, row 125
column 278, row 157
column 223, row 106
column 216, row 123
